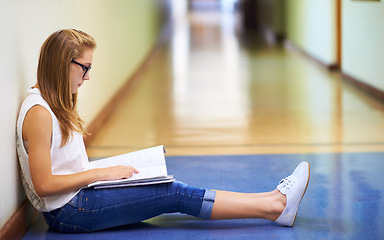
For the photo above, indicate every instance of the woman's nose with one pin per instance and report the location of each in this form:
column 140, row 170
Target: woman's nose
column 87, row 76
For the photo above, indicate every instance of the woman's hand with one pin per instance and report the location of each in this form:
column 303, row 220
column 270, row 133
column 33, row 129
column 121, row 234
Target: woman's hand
column 117, row 172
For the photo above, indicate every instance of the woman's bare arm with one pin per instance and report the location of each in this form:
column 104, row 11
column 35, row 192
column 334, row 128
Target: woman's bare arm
column 37, row 130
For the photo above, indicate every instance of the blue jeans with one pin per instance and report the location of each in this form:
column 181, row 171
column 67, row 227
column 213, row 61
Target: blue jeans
column 95, row 209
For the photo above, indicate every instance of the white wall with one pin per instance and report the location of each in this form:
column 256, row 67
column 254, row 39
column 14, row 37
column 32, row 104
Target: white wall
column 363, row 41
column 124, row 30
column 10, row 191
column 311, row 25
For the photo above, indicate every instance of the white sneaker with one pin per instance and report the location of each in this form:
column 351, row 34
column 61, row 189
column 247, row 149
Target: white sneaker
column 294, row 187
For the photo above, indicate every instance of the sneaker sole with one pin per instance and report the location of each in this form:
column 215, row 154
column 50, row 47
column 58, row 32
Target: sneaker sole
column 309, row 174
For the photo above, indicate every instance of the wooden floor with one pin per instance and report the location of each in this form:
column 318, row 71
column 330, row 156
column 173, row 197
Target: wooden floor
column 209, row 91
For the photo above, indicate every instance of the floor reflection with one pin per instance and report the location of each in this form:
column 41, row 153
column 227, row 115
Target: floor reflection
column 214, row 90
column 207, row 89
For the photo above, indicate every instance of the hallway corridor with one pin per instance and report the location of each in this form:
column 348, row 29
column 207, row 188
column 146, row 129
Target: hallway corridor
column 210, row 90
column 238, row 114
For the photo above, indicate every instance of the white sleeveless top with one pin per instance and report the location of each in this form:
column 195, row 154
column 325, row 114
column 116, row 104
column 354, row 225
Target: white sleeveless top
column 69, row 159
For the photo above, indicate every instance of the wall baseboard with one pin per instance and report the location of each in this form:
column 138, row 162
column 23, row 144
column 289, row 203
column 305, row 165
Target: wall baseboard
column 291, row 46
column 368, row 89
column 112, row 105
column 19, row 223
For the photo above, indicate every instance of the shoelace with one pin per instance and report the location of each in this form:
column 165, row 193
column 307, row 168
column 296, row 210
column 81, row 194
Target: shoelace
column 288, row 182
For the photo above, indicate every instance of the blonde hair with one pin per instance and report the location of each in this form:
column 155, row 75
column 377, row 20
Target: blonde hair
column 56, row 54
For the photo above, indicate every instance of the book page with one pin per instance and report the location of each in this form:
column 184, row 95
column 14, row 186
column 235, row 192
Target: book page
column 140, row 159
column 121, row 183
column 149, row 162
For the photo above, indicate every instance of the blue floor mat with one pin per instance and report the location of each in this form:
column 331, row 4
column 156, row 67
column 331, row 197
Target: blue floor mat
column 344, row 199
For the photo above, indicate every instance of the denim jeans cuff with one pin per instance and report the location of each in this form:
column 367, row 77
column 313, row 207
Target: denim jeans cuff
column 207, row 205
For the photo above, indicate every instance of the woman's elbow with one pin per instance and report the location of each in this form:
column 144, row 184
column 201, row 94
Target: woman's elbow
column 44, row 190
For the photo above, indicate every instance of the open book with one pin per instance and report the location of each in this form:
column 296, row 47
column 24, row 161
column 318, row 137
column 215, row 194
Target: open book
column 150, row 162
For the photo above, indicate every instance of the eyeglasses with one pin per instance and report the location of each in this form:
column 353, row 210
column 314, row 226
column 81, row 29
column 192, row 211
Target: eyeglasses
column 85, row 68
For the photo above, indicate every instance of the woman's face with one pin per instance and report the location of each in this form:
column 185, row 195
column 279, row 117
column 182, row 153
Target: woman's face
column 76, row 72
